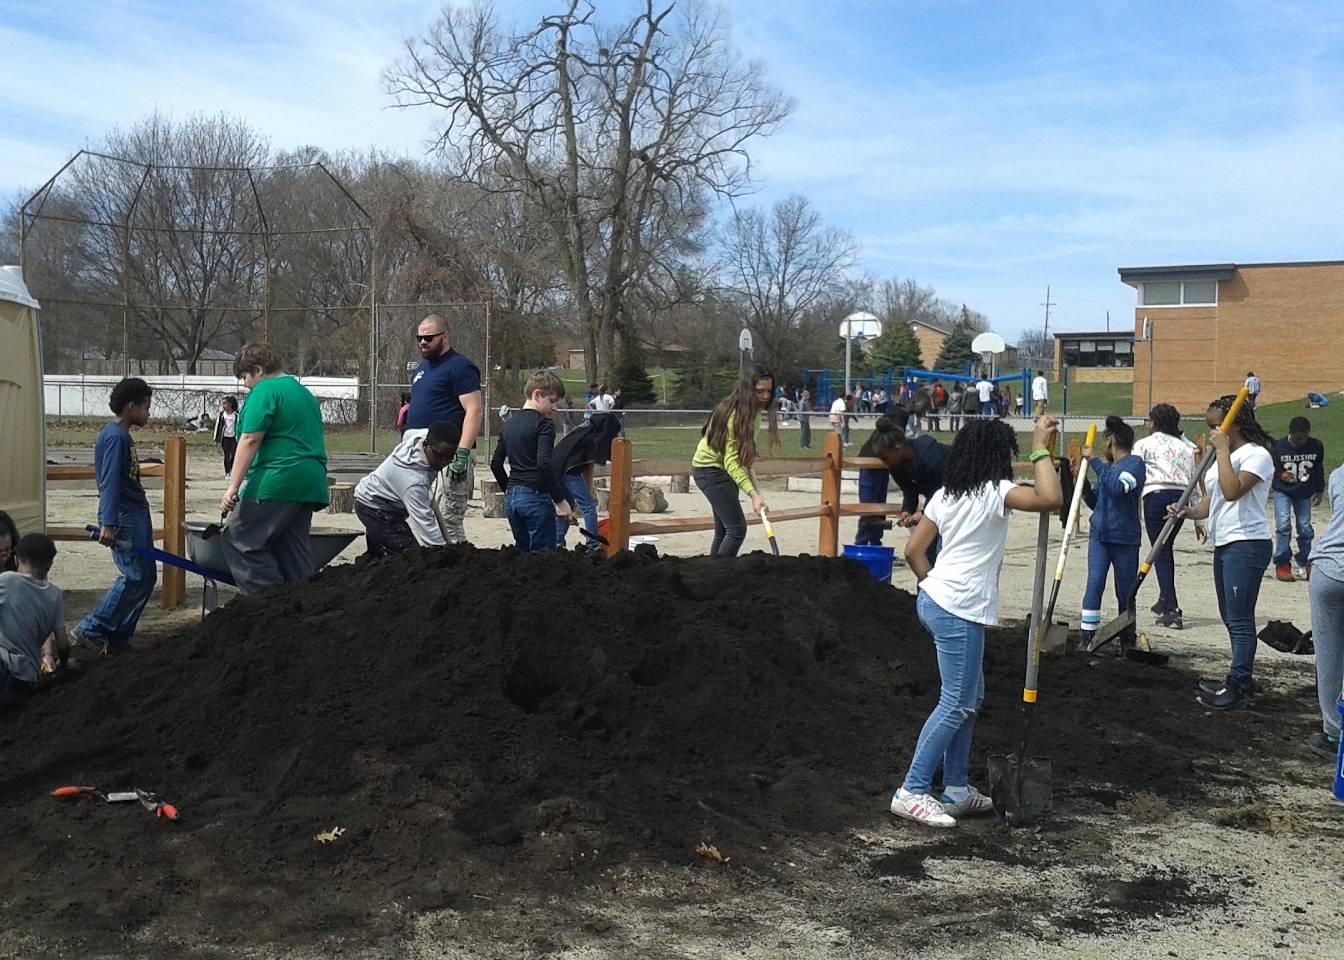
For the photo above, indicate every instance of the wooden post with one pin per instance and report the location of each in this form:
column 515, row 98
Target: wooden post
column 828, row 534
column 618, row 513
column 174, row 589
column 1075, row 455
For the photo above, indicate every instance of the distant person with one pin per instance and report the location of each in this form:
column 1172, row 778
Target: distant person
column 395, row 502
column 124, row 523
column 970, row 401
column 1040, row 393
column 226, row 432
column 1114, row 533
column 32, row 621
column 9, row 539
column 403, row 412
column 1299, row 485
column 804, row 420
column 840, row 422
column 939, row 396
column 533, row 495
column 984, row 389
column 1327, row 619
column 1252, row 389
column 1006, row 400
column 722, row 462
column 279, row 476
column 956, row 400
column 1168, row 467
column 1236, row 491
column 588, row 401
column 959, row 597
column 447, row 386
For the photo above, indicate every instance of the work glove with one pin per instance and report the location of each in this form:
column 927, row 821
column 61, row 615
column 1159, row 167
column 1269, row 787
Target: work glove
column 457, row 470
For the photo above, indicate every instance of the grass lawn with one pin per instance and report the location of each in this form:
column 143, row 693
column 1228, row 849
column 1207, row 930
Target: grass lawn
column 1093, row 399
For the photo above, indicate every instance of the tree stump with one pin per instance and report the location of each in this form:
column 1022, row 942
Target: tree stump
column 603, row 500
column 647, row 499
column 342, row 498
column 680, row 483
column 492, row 500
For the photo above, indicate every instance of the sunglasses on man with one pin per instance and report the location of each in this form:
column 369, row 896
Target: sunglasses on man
column 428, row 337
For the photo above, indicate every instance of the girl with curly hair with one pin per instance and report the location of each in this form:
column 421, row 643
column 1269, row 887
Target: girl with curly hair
column 959, row 597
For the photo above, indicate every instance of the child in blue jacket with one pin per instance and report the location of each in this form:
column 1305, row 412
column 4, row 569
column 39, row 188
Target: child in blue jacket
column 1116, row 526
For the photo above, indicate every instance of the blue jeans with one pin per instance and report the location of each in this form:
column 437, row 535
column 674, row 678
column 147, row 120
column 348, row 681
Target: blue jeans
column 1164, row 564
column 1102, row 559
column 116, row 616
column 531, row 515
column 946, row 737
column 1237, row 570
column 987, row 409
column 576, row 485
column 1287, row 514
column 1327, row 633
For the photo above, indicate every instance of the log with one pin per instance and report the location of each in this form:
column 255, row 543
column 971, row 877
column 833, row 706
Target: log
column 647, row 499
column 681, row 483
column 492, row 500
column 341, row 497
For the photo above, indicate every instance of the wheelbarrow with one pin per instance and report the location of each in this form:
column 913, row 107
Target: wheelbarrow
column 207, row 553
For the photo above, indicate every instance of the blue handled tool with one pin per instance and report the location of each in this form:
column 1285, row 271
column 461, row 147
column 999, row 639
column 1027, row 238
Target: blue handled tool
column 163, row 556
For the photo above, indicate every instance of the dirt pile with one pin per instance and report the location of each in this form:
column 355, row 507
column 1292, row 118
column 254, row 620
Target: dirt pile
column 478, row 721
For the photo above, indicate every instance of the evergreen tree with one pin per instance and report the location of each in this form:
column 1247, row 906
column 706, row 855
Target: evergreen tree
column 635, row 383
column 897, row 347
column 700, row 380
column 956, row 352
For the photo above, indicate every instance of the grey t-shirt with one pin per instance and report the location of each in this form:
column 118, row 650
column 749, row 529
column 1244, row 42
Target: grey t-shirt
column 30, row 611
column 1327, row 555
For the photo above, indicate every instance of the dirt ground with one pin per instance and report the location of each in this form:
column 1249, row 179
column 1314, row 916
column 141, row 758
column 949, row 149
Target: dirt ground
column 1247, row 862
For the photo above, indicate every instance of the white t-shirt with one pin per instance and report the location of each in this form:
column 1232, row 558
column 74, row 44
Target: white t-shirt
column 838, row 407
column 602, row 402
column 1242, row 519
column 1040, row 389
column 1253, row 386
column 230, row 424
column 974, row 528
column 986, row 390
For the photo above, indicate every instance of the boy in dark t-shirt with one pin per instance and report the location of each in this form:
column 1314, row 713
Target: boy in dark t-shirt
column 1299, row 484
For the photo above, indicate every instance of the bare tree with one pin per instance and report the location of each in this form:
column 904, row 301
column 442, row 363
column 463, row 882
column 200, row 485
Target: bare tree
column 607, row 131
column 779, row 265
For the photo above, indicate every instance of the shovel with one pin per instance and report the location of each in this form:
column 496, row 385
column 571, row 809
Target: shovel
column 770, row 533
column 1056, row 635
column 1019, row 785
column 213, row 530
column 1128, row 616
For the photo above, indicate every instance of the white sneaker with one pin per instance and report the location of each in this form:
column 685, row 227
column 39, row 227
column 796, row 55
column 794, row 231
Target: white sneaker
column 1301, row 572
column 922, row 808
column 976, row 804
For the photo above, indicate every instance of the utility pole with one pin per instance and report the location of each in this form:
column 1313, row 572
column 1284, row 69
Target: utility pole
column 1047, row 304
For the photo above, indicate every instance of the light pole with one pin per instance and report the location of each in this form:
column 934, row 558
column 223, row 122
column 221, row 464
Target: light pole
column 860, row 325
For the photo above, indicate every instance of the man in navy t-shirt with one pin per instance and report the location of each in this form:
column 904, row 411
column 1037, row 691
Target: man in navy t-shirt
column 447, row 387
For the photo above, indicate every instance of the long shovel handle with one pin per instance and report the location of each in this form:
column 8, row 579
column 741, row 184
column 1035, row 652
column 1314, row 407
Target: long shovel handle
column 1075, row 508
column 1169, row 528
column 770, row 532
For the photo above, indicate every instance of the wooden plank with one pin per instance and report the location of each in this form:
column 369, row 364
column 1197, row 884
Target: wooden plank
column 828, row 529
column 773, row 467
column 693, row 524
column 869, row 509
column 174, row 590
column 67, row 471
column 618, row 502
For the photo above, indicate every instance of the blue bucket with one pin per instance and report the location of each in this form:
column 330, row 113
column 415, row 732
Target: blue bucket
column 878, row 560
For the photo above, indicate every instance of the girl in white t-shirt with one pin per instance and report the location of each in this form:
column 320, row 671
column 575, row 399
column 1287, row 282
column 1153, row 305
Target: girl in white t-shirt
column 959, row 597
column 1236, row 489
column 228, row 432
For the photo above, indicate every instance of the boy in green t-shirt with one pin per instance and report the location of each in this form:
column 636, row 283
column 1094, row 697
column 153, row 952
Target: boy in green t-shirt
column 279, row 476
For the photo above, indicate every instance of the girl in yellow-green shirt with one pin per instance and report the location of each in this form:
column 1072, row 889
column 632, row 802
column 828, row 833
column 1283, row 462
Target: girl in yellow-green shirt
column 722, row 462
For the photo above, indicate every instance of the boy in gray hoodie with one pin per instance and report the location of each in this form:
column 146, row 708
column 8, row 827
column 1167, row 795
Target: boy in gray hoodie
column 393, row 502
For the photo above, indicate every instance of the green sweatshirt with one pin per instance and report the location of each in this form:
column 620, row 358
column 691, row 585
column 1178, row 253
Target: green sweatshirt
column 727, row 459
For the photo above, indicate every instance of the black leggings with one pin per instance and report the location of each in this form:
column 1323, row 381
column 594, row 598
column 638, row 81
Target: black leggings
column 730, row 523
column 230, row 447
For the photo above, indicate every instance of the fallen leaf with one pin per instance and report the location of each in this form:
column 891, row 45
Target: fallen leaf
column 710, row 853
column 330, row 836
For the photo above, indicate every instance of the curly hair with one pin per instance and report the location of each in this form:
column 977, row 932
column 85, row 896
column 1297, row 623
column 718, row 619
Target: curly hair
column 1166, row 419
column 740, row 407
column 1245, row 422
column 981, row 453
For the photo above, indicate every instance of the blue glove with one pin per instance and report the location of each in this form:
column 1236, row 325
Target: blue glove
column 457, row 470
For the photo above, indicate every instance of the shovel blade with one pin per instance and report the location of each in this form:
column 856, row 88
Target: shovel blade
column 1109, row 631
column 1055, row 638
column 1022, row 790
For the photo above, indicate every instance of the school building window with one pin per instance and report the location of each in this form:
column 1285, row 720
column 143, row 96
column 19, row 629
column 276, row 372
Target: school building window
column 1084, row 352
column 1178, row 293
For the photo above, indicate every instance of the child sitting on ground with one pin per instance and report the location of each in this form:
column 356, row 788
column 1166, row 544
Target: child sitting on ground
column 394, row 503
column 1116, row 528
column 32, row 621
column 533, row 496
column 959, row 597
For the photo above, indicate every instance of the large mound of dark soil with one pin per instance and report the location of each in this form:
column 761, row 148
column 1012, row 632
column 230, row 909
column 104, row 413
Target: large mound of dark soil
column 479, row 721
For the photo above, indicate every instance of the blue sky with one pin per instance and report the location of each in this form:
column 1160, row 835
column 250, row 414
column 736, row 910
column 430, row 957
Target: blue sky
column 989, row 149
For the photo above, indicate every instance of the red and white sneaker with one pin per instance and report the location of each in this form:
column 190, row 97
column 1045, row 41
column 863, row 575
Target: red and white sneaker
column 922, row 808
column 976, row 804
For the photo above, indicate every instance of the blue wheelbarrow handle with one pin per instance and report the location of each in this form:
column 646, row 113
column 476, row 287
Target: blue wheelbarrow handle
column 163, row 556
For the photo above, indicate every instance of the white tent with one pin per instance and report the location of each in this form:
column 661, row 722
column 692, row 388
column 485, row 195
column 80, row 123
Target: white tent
column 23, row 472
